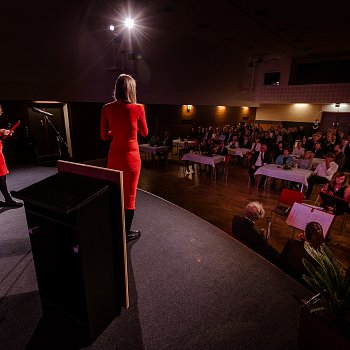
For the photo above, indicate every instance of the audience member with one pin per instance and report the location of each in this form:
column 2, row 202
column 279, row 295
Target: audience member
column 322, row 174
column 338, row 187
column 291, row 260
column 245, row 230
column 285, row 158
column 339, row 157
column 307, row 161
column 298, row 151
column 317, row 150
column 222, row 150
column 259, row 159
column 154, row 140
column 184, row 150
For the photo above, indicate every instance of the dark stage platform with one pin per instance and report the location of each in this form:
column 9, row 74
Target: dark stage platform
column 191, row 285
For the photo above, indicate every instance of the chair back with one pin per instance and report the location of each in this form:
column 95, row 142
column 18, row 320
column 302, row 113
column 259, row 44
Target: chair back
column 289, row 197
column 227, row 161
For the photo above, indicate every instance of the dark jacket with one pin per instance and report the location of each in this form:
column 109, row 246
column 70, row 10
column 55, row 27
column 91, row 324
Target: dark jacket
column 246, row 232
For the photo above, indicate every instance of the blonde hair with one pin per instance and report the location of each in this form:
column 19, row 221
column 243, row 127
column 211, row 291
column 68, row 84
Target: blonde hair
column 125, row 88
column 254, row 211
column 309, row 153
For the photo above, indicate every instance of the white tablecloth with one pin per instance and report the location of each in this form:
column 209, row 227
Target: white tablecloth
column 240, row 152
column 152, row 149
column 179, row 143
column 296, row 175
column 198, row 158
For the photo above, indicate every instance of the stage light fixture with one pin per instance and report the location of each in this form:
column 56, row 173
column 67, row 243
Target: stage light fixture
column 129, row 23
column 111, row 28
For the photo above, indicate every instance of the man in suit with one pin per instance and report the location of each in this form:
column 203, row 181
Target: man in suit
column 259, row 159
column 244, row 229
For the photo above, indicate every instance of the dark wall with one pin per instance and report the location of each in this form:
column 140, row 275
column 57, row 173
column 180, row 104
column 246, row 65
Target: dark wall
column 85, row 131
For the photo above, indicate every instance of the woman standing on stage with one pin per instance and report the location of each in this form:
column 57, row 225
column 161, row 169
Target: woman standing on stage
column 120, row 122
column 9, row 201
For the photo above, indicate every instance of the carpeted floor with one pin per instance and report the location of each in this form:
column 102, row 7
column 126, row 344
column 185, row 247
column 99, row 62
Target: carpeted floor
column 191, row 285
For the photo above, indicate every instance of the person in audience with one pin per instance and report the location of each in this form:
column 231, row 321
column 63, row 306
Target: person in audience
column 205, row 147
column 234, row 143
column 293, row 253
column 298, row 151
column 285, row 158
column 322, row 174
column 5, row 132
column 310, row 144
column 304, row 142
column 328, row 144
column 259, row 159
column 167, row 141
column 231, row 134
column 306, row 161
column 222, row 150
column 184, row 150
column 192, row 135
column 338, row 187
column 339, row 157
column 154, row 140
column 245, row 230
column 245, row 143
column 317, row 150
column 256, row 145
column 120, row 122
column 278, row 150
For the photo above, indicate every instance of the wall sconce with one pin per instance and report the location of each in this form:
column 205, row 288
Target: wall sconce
column 337, row 105
column 189, row 108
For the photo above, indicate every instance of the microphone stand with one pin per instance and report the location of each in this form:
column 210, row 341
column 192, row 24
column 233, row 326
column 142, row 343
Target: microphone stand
column 59, row 138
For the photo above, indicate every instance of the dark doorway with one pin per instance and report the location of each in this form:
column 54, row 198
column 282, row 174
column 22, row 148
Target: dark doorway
column 336, row 120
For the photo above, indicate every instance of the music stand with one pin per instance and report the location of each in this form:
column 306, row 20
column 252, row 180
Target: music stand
column 339, row 205
column 301, row 214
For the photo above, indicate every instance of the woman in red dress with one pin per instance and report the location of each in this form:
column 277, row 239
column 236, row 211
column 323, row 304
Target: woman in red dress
column 9, row 201
column 120, row 122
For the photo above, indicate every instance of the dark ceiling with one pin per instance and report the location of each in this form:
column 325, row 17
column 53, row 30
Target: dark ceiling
column 186, row 51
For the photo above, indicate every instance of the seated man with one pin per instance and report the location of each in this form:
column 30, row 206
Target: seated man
column 154, row 140
column 222, row 150
column 257, row 160
column 244, row 229
column 323, row 174
column 186, row 149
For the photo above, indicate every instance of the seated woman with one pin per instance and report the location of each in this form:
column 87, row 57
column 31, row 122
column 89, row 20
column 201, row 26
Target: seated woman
column 291, row 259
column 298, row 151
column 306, row 161
column 338, row 187
column 285, row 158
column 244, row 229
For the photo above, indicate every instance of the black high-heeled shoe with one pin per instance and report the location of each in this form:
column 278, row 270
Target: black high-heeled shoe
column 133, row 235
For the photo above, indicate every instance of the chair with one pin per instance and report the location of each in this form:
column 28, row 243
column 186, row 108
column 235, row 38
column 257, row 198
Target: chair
column 286, row 199
column 224, row 166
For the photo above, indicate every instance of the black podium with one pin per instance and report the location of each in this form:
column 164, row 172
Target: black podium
column 74, row 227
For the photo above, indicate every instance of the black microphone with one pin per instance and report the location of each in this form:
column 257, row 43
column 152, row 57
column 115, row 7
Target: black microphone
column 42, row 112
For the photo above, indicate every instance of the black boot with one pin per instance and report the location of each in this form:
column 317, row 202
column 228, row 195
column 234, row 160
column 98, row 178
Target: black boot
column 9, row 201
column 130, row 235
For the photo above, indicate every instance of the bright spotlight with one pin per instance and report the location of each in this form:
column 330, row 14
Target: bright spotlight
column 111, row 27
column 129, row 23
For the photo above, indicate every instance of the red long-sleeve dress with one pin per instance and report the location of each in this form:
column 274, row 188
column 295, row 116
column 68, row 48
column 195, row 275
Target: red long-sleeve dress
column 3, row 167
column 120, row 122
